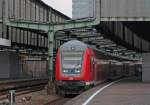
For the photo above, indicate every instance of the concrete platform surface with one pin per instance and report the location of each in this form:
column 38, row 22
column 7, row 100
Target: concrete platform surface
column 126, row 92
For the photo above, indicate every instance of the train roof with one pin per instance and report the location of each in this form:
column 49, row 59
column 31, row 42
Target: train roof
column 74, row 44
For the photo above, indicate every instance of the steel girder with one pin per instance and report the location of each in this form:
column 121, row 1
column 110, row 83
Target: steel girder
column 125, row 19
column 59, row 26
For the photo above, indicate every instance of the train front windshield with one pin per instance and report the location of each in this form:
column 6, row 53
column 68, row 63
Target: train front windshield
column 72, row 62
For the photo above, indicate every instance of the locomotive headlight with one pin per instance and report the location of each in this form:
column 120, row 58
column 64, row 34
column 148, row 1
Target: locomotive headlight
column 77, row 71
column 65, row 71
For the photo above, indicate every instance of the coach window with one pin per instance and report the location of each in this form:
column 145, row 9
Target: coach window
column 92, row 63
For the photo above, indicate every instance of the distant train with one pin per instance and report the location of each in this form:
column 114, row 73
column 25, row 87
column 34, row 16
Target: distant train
column 80, row 67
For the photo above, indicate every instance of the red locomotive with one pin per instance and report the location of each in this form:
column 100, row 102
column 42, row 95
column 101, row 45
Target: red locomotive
column 80, row 66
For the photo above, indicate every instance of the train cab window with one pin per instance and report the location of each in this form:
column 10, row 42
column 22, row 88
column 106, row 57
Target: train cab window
column 72, row 62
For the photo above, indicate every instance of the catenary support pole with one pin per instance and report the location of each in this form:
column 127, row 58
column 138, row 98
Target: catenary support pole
column 51, row 87
column 51, row 34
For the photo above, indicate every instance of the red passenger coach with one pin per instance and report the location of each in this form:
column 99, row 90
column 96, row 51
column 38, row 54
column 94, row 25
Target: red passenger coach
column 80, row 66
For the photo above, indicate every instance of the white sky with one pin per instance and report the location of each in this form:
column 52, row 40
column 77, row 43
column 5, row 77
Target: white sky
column 64, row 6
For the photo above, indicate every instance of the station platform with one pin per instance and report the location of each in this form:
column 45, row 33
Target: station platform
column 20, row 80
column 129, row 91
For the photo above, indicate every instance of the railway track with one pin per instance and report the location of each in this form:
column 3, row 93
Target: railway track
column 21, row 87
column 59, row 101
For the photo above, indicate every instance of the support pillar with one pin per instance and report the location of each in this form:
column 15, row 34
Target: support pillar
column 146, row 67
column 51, row 87
column 50, row 53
